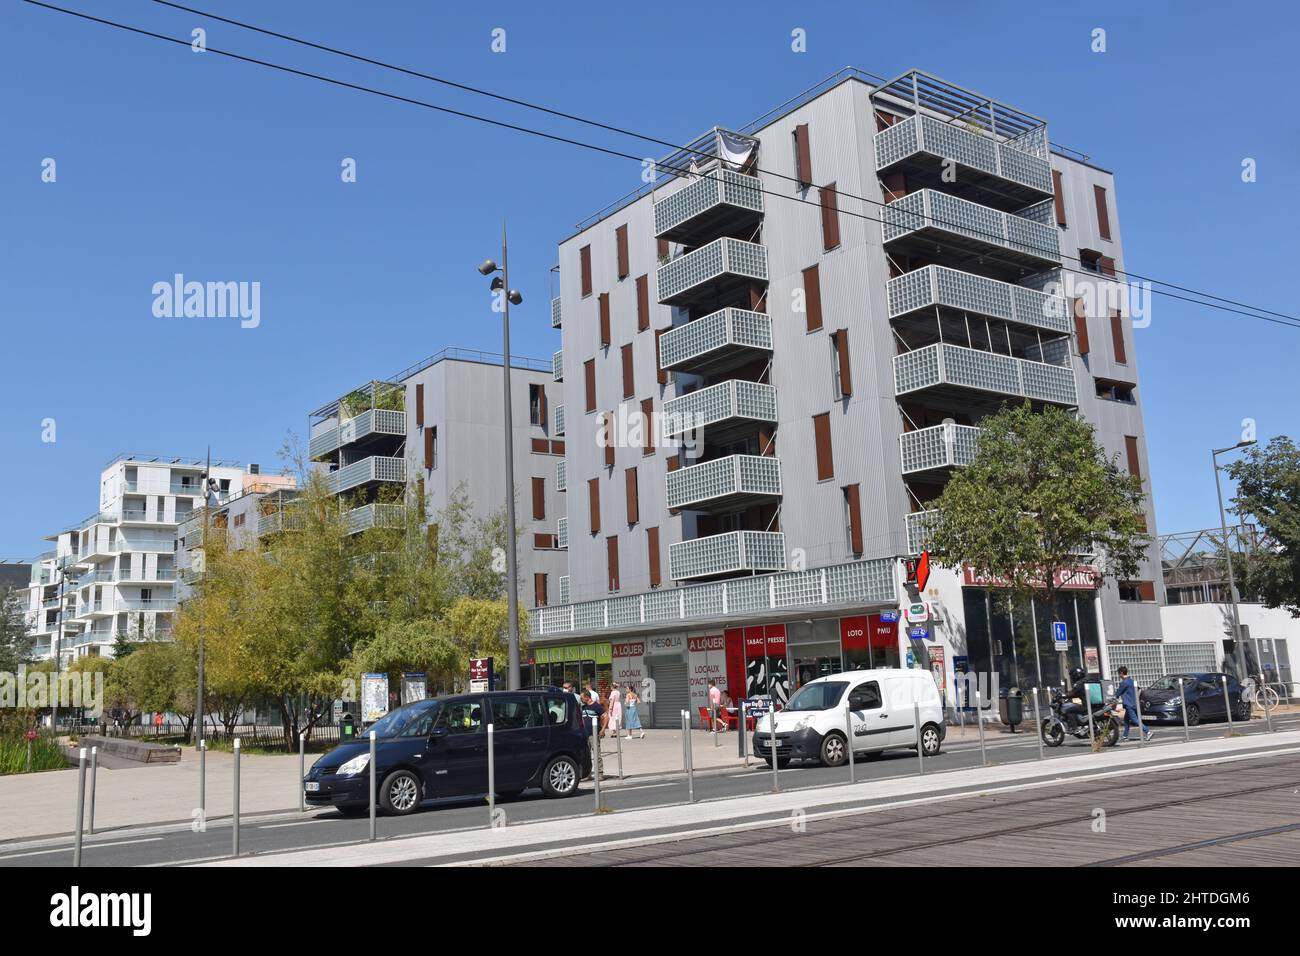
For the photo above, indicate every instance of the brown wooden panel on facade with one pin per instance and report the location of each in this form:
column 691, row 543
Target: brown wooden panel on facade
column 540, row 446
column 633, row 501
column 593, row 504
column 822, row 439
column 611, row 558
column 1081, row 326
column 543, row 542
column 1131, row 452
column 647, row 426
column 1058, row 196
column 589, row 383
column 428, row 449
column 620, row 240
column 812, row 298
column 853, row 500
column 846, row 373
column 539, row 499
column 661, row 375
column 584, row 258
column 652, row 544
column 1117, row 338
column 610, row 439
column 830, row 217
column 802, row 155
column 1103, row 214
column 895, row 186
column 1146, row 590
column 603, row 299
column 419, row 405
column 642, row 303
column 539, row 590
column 629, row 380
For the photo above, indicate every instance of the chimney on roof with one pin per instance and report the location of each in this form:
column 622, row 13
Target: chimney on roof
column 254, row 468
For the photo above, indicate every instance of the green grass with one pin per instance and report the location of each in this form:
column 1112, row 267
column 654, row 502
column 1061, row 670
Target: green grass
column 46, row 755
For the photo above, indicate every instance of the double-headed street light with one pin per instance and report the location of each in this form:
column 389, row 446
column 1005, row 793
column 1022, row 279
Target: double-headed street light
column 1239, row 643
column 509, row 296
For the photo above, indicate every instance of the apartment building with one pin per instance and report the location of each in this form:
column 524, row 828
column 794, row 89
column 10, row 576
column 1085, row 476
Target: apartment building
column 809, row 322
column 438, row 426
column 114, row 572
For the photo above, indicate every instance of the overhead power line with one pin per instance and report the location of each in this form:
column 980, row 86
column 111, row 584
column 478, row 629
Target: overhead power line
column 1283, row 319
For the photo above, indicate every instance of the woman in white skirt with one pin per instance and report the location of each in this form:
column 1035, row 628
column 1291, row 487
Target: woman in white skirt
column 614, row 710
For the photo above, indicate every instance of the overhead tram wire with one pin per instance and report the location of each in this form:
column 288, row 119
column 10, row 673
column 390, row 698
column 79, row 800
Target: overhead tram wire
column 623, row 131
column 1284, row 320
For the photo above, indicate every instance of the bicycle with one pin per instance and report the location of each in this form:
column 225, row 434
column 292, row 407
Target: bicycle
column 1260, row 693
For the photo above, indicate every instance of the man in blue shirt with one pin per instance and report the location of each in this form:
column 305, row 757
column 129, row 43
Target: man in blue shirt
column 1128, row 696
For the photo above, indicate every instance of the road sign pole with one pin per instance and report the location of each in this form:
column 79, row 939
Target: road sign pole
column 1227, row 704
column 81, row 805
column 595, row 761
column 771, row 745
column 743, row 727
column 492, row 776
column 690, row 757
column 373, row 785
column 302, row 769
column 94, row 773
column 979, row 723
column 234, row 845
column 920, row 751
column 203, row 778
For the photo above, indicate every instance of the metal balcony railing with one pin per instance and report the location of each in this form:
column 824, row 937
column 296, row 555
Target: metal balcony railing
column 940, row 286
column 726, row 338
column 974, row 150
column 375, row 514
column 162, row 575
column 679, row 279
column 562, row 533
column 373, row 421
column 940, row 446
column 557, row 365
column 146, row 604
column 954, row 365
column 727, row 553
column 561, row 475
column 558, row 419
column 724, row 480
column 855, row 585
column 734, row 399
column 555, row 312
column 920, row 525
column 936, row 212
column 718, row 193
column 374, row 468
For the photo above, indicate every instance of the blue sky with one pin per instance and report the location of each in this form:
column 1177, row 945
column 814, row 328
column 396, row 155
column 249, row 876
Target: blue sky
column 169, row 161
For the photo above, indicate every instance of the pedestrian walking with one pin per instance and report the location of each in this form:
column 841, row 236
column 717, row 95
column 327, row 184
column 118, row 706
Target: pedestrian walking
column 631, row 716
column 715, row 705
column 614, row 710
column 1128, row 697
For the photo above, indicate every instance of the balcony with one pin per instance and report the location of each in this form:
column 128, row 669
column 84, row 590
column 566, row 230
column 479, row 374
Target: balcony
column 146, row 604
column 939, row 447
column 140, row 516
column 720, row 201
column 722, row 266
column 925, row 289
column 96, row 609
column 561, row 475
column 732, row 552
column 1001, row 171
column 726, row 409
column 954, row 369
column 562, row 533
column 557, row 419
column 555, row 312
column 361, row 430
column 920, row 221
column 920, row 525
column 374, row 515
column 160, row 576
column 364, row 472
column 734, row 481
column 557, row 366
column 719, row 342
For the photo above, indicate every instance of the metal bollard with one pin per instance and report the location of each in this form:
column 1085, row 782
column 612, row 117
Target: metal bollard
column 373, row 786
column 29, row 756
column 744, row 732
column 920, row 751
column 1182, row 692
column 595, row 762
column 618, row 746
column 235, row 829
column 492, row 775
column 1227, row 705
column 94, row 773
column 81, row 805
column 713, row 724
column 771, row 746
column 302, row 769
column 848, row 741
column 1038, row 725
column 979, row 724
column 689, row 756
column 1137, row 711
column 203, row 778
column 1268, row 716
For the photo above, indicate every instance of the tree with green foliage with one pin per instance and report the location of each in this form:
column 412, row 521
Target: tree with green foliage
column 1268, row 495
column 1040, row 498
column 159, row 677
column 15, row 643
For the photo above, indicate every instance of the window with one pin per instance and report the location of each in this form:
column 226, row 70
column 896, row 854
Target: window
column 1134, row 591
column 620, row 241
column 462, row 717
column 539, row 590
column 629, row 383
column 822, row 440
column 430, row 448
column 239, row 521
column 642, row 303
column 593, row 504
column 652, row 544
column 584, row 259
column 1103, row 216
column 604, row 319
column 537, row 404
column 633, row 503
column 611, row 557
column 853, row 519
column 802, row 155
column 1058, row 193
column 865, row 697
column 812, row 298
column 1111, row 391
column 521, row 712
column 1117, row 338
column 589, row 382
column 841, row 370
column 539, row 499
column 830, row 217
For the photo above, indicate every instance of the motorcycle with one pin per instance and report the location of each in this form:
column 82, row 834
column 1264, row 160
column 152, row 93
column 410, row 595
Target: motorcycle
column 1105, row 723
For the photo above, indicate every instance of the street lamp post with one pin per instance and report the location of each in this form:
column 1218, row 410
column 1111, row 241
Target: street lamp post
column 509, row 296
column 1227, row 551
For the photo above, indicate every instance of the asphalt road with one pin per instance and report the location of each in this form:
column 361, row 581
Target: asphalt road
column 175, row 844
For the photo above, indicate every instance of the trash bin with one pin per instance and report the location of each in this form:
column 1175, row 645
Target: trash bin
column 347, row 728
column 1011, row 706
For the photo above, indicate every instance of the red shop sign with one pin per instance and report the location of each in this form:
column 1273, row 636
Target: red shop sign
column 714, row 642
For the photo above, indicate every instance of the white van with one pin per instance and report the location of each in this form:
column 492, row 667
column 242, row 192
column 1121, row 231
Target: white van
column 881, row 704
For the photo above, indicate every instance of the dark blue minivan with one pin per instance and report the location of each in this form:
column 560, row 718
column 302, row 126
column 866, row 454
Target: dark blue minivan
column 438, row 748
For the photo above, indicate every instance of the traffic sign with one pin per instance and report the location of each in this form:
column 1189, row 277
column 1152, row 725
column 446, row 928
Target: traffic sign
column 1060, row 636
column 888, row 617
